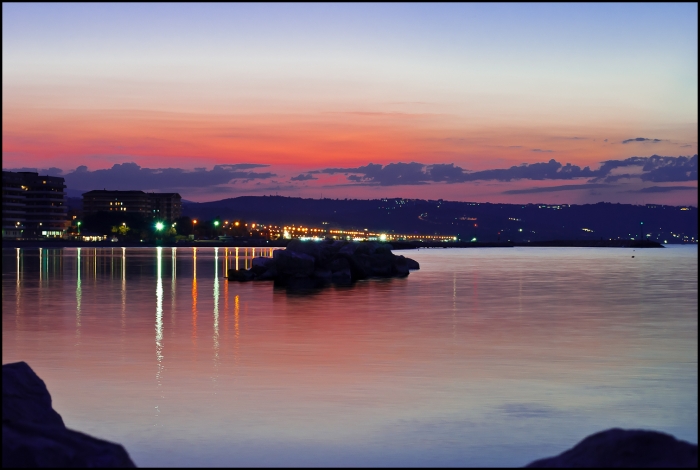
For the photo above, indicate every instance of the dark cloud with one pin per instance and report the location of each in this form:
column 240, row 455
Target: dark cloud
column 664, row 189
column 388, row 175
column 553, row 189
column 53, row 171
column 418, row 173
column 130, row 176
column 446, row 172
column 303, row 177
column 552, row 170
column 655, row 168
column 641, row 139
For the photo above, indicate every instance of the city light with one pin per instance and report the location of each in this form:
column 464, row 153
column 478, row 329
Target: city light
column 216, row 223
column 159, row 226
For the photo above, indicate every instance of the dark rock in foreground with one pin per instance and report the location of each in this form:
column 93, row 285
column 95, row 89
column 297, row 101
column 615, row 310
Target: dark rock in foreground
column 33, row 433
column 316, row 264
column 619, row 448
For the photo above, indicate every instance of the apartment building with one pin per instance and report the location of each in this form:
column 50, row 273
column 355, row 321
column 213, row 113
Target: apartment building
column 33, row 206
column 165, row 206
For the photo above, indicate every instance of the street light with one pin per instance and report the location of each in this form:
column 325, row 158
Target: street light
column 159, row 226
column 79, row 227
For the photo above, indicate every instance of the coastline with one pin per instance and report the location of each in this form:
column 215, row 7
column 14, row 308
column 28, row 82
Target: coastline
column 256, row 243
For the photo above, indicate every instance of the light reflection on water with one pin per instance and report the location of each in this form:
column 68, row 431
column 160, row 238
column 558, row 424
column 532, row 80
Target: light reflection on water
column 483, row 357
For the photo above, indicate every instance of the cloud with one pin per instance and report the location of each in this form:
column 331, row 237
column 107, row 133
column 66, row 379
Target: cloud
column 552, row 189
column 540, row 150
column 551, row 170
column 303, row 177
column 641, row 139
column 130, row 176
column 388, row 175
column 656, row 168
column 418, row 173
column 664, row 189
column 53, row 171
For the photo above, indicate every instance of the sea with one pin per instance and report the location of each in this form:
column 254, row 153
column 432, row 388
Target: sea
column 483, row 357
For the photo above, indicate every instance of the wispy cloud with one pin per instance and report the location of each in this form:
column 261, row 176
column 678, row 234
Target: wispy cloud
column 552, row 189
column 664, row 189
column 641, row 139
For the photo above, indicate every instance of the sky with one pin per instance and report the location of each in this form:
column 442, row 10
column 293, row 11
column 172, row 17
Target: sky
column 516, row 103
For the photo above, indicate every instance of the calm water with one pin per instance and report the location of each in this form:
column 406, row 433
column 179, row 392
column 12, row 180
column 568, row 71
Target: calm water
column 483, row 357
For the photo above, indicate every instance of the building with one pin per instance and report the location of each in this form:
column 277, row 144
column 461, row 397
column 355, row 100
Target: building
column 33, row 206
column 164, row 206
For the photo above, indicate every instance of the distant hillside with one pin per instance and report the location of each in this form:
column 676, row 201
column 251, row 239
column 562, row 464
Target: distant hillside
column 482, row 221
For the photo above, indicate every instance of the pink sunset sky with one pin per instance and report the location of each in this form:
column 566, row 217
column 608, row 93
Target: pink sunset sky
column 469, row 102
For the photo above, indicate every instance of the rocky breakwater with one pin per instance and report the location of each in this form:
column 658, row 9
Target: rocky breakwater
column 316, row 264
column 33, row 433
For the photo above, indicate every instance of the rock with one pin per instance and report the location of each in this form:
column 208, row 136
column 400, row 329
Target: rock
column 261, row 262
column 25, row 397
column 323, row 275
column 412, row 264
column 348, row 249
column 360, row 266
column 339, row 264
column 325, row 262
column 381, row 264
column 293, row 264
column 342, row 277
column 33, row 433
column 269, row 275
column 399, row 267
column 240, row 275
column 619, row 448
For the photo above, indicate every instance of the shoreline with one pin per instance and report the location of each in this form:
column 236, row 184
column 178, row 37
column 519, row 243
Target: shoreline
column 257, row 243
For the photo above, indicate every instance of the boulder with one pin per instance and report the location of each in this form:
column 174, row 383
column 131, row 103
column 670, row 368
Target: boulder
column 240, row 275
column 293, row 264
column 261, row 262
column 33, row 433
column 339, row 264
column 323, row 275
column 342, row 277
column 381, row 264
column 269, row 275
column 325, row 262
column 399, row 266
column 619, row 448
column 412, row 264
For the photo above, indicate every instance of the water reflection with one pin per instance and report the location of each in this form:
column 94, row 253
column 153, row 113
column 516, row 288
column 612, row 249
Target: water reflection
column 78, row 299
column 473, row 346
column 173, row 276
column 194, row 297
column 236, row 313
column 159, row 319
column 18, row 291
column 216, row 308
